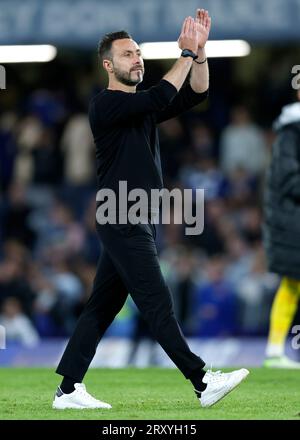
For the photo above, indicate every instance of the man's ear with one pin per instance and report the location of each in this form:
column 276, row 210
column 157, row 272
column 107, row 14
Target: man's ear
column 107, row 64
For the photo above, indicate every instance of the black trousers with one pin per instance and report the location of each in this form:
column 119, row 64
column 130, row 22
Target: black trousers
column 128, row 265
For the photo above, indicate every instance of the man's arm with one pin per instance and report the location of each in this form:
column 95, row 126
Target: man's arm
column 199, row 80
column 185, row 99
column 191, row 94
column 197, row 89
column 188, row 39
column 200, row 76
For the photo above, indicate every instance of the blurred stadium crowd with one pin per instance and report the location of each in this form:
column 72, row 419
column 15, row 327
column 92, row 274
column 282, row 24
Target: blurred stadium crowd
column 48, row 245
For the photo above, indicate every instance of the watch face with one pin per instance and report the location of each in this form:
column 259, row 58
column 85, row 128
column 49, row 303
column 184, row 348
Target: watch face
column 187, row 53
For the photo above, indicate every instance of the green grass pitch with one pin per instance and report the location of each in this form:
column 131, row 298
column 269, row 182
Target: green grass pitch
column 151, row 393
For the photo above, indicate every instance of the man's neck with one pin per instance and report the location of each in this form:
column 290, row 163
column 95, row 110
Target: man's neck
column 116, row 85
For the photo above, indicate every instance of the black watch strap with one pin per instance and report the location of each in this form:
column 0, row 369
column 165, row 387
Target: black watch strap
column 189, row 53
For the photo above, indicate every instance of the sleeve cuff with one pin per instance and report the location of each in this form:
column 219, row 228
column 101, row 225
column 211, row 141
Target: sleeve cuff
column 198, row 96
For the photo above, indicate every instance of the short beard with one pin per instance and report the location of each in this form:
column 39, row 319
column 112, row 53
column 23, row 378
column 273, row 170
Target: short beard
column 124, row 78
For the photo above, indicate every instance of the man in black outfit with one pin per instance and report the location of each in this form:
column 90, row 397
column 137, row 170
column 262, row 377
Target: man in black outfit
column 123, row 122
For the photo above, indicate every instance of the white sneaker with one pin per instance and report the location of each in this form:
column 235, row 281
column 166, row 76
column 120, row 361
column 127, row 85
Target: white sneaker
column 219, row 384
column 78, row 399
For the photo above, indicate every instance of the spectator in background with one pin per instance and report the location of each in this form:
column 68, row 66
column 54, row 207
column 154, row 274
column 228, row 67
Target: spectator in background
column 239, row 259
column 8, row 150
column 47, row 106
column 202, row 141
column 45, row 304
column 242, row 144
column 18, row 327
column 28, row 134
column 78, row 149
column 251, row 220
column 241, row 188
column 13, row 281
column 16, row 214
column 255, row 292
column 61, row 231
column 47, row 160
column 215, row 305
column 39, row 160
column 204, row 174
column 282, row 231
column 180, row 266
column 59, row 292
column 172, row 146
column 211, row 240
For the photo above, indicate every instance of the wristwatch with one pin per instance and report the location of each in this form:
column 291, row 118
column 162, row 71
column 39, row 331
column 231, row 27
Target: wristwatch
column 189, row 53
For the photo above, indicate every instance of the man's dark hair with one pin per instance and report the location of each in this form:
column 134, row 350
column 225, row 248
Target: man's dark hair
column 104, row 47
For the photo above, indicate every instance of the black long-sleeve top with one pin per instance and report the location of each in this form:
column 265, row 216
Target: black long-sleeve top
column 124, row 126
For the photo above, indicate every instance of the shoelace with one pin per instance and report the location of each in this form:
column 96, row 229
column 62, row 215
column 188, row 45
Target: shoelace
column 82, row 390
column 215, row 376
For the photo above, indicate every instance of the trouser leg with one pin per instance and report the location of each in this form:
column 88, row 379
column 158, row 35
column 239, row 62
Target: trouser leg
column 134, row 255
column 107, row 299
column 283, row 311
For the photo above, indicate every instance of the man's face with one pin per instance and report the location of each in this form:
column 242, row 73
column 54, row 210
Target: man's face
column 127, row 62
